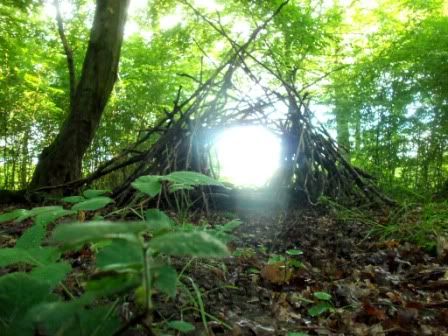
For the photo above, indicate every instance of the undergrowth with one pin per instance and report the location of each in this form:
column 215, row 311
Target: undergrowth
column 133, row 259
column 422, row 224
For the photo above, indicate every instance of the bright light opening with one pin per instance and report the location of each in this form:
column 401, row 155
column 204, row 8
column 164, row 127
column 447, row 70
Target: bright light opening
column 247, row 156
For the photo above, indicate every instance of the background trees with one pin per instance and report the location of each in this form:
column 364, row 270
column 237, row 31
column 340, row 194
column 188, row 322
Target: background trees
column 379, row 70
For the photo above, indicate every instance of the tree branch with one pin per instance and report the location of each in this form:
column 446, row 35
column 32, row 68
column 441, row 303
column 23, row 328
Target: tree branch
column 68, row 52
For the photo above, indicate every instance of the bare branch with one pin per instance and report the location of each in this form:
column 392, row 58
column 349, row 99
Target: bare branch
column 68, row 52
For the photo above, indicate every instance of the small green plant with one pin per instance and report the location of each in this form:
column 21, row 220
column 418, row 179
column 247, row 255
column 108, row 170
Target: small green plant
column 419, row 224
column 132, row 256
column 290, row 260
column 322, row 305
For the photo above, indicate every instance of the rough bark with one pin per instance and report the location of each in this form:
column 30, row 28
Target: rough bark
column 61, row 162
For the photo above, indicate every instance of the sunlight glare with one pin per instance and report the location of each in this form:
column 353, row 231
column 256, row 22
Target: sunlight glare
column 170, row 21
column 248, row 156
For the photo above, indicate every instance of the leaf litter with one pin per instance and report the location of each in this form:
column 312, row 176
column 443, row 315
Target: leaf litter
column 346, row 282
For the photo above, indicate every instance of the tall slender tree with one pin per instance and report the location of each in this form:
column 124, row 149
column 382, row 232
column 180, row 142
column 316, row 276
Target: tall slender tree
column 61, row 162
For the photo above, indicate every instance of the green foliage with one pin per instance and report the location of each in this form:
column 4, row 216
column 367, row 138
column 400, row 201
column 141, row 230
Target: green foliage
column 290, row 259
column 92, row 193
column 294, row 252
column 181, row 326
column 198, row 244
column 19, row 292
column 186, row 179
column 418, row 224
column 12, row 215
column 166, row 280
column 150, row 185
column 182, row 180
column 322, row 296
column 132, row 256
column 73, row 199
column 319, row 309
column 322, row 306
column 92, row 204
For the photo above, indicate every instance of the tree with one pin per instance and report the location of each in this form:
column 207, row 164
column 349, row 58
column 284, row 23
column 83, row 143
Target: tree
column 61, row 162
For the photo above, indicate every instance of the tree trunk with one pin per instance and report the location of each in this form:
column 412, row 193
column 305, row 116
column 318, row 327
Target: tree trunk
column 343, row 132
column 61, row 162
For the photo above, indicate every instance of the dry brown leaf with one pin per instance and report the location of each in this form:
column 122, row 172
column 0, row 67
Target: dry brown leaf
column 277, row 273
column 373, row 311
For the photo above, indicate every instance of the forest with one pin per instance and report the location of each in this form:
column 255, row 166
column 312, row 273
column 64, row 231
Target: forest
column 223, row 167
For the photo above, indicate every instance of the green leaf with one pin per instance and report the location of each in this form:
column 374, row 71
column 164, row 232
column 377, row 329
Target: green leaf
column 294, row 252
column 93, row 204
column 33, row 256
column 181, row 326
column 297, row 334
column 199, row 244
column 275, row 258
column 9, row 216
column 319, row 309
column 57, row 318
column 322, row 296
column 166, row 280
column 73, row 199
column 120, row 254
column 112, row 284
column 37, row 211
column 179, row 186
column 295, row 263
column 77, row 233
column 51, row 215
column 230, row 226
column 72, row 318
column 190, row 178
column 89, row 318
column 32, row 237
column 51, row 274
column 92, row 193
column 150, row 185
column 18, row 293
column 158, row 221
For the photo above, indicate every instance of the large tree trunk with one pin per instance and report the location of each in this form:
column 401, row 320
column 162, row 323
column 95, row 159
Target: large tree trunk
column 61, row 161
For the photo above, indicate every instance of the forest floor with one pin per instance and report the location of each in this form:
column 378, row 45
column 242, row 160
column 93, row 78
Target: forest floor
column 376, row 288
column 344, row 283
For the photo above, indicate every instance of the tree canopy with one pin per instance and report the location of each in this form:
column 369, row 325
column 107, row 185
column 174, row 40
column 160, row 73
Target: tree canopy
column 375, row 73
